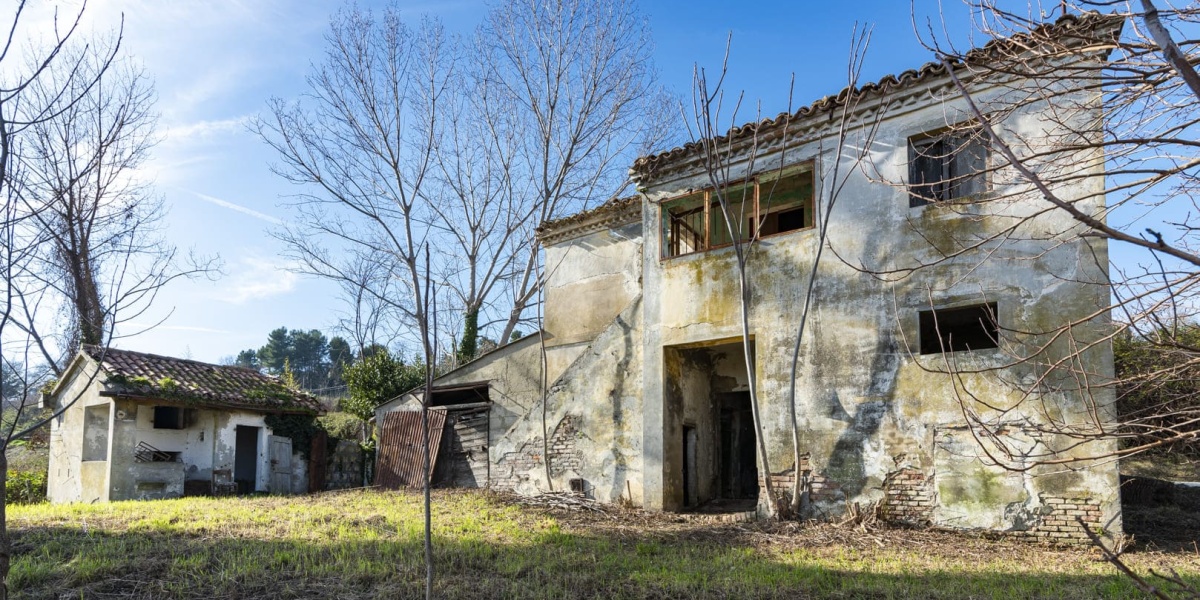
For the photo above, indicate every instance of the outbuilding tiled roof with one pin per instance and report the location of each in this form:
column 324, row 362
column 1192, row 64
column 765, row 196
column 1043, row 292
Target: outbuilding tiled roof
column 617, row 211
column 1082, row 28
column 138, row 374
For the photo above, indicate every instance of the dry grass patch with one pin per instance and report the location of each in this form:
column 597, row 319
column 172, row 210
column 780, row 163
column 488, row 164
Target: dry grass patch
column 367, row 544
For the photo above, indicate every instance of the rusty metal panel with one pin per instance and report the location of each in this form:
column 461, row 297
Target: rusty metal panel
column 401, row 461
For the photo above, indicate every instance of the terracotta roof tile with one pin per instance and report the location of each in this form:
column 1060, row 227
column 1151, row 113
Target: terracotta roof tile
column 197, row 383
column 615, row 211
column 1081, row 26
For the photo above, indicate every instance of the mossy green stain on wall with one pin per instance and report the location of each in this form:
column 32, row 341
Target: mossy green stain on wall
column 980, row 486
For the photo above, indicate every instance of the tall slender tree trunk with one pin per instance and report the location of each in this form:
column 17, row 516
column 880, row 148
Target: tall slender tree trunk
column 5, row 543
column 748, row 351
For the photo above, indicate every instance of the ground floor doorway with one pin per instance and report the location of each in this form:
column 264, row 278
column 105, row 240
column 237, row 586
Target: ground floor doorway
column 710, row 456
column 245, row 458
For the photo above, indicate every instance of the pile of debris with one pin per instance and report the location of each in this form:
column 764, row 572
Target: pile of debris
column 566, row 501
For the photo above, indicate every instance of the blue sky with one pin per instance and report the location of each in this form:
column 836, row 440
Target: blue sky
column 215, row 63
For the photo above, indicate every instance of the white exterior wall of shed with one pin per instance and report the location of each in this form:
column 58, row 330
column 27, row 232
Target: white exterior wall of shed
column 224, row 449
column 69, row 477
column 208, row 441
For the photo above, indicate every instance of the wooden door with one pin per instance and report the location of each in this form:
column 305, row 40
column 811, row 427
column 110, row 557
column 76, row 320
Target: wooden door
column 281, row 465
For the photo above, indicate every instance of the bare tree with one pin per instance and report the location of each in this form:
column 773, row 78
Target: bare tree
column 410, row 137
column 578, row 81
column 1112, row 160
column 850, row 151
column 480, row 204
column 94, row 224
column 360, row 146
column 369, row 318
column 23, row 298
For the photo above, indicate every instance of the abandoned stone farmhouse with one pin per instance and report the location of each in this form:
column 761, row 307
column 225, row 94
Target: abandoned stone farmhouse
column 142, row 426
column 647, row 393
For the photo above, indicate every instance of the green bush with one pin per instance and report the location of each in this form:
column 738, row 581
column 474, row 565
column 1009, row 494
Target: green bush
column 342, row 425
column 25, row 487
column 1158, row 388
column 377, row 379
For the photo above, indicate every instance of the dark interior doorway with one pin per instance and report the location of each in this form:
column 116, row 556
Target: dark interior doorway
column 245, row 458
column 738, row 459
column 691, row 486
column 710, row 448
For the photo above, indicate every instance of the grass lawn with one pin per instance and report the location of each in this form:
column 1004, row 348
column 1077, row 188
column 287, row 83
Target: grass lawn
column 367, row 544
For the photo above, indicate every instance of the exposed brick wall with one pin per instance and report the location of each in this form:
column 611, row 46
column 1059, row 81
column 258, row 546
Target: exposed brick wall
column 514, row 468
column 820, row 488
column 563, row 454
column 1059, row 519
column 908, row 497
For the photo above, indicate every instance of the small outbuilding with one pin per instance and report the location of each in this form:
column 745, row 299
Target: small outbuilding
column 143, row 426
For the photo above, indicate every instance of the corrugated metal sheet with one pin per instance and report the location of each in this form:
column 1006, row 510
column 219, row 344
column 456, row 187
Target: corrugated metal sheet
column 401, row 461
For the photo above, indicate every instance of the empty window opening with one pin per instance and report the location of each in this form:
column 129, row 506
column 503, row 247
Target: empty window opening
column 683, row 226
column 959, row 329
column 786, row 204
column 578, row 486
column 740, row 200
column 472, row 393
column 945, row 166
column 168, row 417
column 768, row 204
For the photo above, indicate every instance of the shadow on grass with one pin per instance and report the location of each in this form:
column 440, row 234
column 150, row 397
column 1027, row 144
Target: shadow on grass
column 60, row 562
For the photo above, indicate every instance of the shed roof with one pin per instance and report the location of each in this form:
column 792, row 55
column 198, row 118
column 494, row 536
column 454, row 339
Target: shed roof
column 193, row 383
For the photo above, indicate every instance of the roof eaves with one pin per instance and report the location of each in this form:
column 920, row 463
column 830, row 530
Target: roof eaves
column 614, row 213
column 647, row 167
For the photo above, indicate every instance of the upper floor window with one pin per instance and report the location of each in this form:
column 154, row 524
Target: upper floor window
column 768, row 204
column 946, row 165
column 959, row 329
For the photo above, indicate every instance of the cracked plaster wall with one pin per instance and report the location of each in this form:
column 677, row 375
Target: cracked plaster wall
column 866, row 408
column 593, row 347
column 70, row 478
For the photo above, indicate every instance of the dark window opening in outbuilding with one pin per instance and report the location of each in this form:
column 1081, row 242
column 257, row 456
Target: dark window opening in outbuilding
column 168, row 417
column 458, row 395
column 959, row 329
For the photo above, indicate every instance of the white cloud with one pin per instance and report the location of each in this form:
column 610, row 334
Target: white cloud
column 188, row 328
column 236, row 207
column 257, row 279
column 204, row 129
